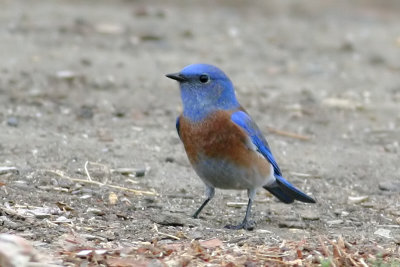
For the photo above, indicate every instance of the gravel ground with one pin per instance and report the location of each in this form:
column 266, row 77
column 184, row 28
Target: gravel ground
column 83, row 93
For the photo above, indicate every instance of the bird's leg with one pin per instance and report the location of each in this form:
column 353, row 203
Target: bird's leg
column 246, row 223
column 196, row 214
column 210, row 191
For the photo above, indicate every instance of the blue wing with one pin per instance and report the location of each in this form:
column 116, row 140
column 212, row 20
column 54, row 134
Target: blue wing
column 177, row 126
column 281, row 188
column 242, row 119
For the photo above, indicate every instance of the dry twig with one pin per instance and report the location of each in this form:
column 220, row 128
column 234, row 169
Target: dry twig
column 289, row 134
column 164, row 234
column 64, row 176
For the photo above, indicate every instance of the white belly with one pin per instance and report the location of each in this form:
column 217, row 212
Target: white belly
column 224, row 174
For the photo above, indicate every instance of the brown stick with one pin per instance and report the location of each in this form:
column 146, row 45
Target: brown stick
column 289, row 134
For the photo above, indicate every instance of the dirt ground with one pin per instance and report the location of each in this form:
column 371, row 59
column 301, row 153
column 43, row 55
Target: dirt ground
column 83, row 81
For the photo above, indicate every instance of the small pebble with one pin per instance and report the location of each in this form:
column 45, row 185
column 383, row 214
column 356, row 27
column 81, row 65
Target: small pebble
column 155, row 263
column 310, row 215
column 263, row 231
column 95, row 211
column 6, row 170
column 334, row 222
column 391, row 186
column 167, row 219
column 357, row 200
column 12, row 121
column 383, row 232
column 292, row 224
column 169, row 159
column 39, row 215
column 85, row 112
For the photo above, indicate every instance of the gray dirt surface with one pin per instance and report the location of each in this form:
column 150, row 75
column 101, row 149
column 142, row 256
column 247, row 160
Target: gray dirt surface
column 84, row 81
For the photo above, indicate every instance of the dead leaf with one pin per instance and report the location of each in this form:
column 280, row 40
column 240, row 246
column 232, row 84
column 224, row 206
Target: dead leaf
column 112, row 198
column 211, row 243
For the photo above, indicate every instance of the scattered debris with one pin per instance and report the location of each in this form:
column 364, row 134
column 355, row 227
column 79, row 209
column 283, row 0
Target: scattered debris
column 213, row 251
column 357, row 200
column 211, row 243
column 334, row 222
column 164, row 234
column 133, row 172
column 341, row 103
column 7, row 170
column 16, row 251
column 383, row 232
column 64, row 176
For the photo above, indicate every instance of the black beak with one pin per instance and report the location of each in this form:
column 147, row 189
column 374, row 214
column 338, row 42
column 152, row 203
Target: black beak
column 176, row 76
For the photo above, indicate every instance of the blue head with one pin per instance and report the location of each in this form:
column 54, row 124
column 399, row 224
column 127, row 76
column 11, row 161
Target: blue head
column 204, row 89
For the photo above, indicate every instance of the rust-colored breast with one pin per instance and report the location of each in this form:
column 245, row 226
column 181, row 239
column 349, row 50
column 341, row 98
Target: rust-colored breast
column 219, row 138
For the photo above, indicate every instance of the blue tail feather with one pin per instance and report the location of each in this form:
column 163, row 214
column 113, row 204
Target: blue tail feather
column 286, row 192
column 277, row 191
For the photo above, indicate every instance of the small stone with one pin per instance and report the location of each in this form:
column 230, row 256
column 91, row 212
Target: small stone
column 391, row 186
column 167, row 219
column 16, row 251
column 6, row 170
column 109, row 28
column 100, row 251
column 395, row 213
column 40, row 215
column 84, row 253
column 345, row 213
column 95, row 211
column 155, row 263
column 134, row 172
column 140, row 173
column 12, row 121
column 368, row 204
column 196, row 235
column 169, row 159
column 85, row 112
column 62, row 219
column 150, row 37
column 66, row 75
column 334, row 222
column 383, row 232
column 10, row 224
column 292, row 224
column 396, row 239
column 357, row 200
column 93, row 237
column 236, row 204
column 263, row 231
column 309, row 215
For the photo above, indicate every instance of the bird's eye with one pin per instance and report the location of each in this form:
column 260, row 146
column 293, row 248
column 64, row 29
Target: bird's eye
column 204, row 78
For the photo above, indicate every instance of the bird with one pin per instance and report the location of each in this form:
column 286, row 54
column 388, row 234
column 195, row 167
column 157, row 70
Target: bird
column 223, row 143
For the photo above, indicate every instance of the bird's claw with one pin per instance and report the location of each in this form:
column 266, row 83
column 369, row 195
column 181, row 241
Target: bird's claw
column 246, row 225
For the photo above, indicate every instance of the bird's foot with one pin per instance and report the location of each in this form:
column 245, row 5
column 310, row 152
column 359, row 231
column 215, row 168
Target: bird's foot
column 246, row 225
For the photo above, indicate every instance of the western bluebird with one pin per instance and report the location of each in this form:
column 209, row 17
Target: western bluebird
column 223, row 143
